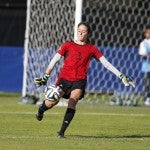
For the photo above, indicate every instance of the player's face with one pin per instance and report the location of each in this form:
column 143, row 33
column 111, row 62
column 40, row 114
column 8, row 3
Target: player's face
column 147, row 34
column 82, row 33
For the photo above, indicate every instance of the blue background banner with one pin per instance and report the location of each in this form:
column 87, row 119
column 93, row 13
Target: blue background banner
column 11, row 69
column 127, row 60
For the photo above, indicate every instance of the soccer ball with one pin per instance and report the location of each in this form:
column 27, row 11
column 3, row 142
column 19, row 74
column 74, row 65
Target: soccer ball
column 53, row 93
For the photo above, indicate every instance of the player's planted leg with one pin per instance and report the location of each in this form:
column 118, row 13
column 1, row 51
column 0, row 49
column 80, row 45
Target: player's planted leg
column 70, row 112
column 67, row 119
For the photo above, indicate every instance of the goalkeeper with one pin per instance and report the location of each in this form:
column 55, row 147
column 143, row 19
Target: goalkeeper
column 73, row 75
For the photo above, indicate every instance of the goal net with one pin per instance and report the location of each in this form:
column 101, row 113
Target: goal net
column 117, row 28
column 49, row 24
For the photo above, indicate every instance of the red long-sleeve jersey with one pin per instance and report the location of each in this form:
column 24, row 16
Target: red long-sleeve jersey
column 76, row 60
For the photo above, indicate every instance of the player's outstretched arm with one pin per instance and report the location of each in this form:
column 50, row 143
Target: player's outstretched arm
column 43, row 80
column 126, row 80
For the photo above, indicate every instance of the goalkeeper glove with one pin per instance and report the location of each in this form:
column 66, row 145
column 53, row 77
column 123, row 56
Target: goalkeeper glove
column 42, row 80
column 127, row 80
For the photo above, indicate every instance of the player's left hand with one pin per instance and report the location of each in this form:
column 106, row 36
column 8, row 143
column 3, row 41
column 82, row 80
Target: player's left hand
column 127, row 80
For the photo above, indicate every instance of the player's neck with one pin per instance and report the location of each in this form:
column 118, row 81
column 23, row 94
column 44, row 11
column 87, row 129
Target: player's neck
column 80, row 42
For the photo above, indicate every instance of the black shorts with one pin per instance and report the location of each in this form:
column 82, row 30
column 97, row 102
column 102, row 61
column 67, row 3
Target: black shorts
column 69, row 86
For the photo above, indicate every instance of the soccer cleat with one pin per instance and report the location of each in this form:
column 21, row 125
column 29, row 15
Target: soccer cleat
column 60, row 135
column 39, row 116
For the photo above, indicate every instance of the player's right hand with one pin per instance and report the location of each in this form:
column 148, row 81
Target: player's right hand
column 42, row 80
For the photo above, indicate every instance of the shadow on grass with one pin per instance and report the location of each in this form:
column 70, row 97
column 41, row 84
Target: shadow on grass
column 109, row 137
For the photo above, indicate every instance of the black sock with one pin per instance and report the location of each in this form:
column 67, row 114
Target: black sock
column 67, row 119
column 42, row 108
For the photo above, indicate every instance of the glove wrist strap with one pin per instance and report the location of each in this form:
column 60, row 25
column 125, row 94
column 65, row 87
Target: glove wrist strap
column 121, row 76
column 46, row 76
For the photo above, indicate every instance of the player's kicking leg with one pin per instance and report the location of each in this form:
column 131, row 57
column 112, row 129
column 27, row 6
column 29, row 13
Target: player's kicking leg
column 43, row 107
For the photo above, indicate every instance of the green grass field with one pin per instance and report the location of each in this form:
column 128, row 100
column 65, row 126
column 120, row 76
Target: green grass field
column 95, row 127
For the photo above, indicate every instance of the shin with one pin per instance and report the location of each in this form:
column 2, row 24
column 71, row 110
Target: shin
column 70, row 112
column 46, row 105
